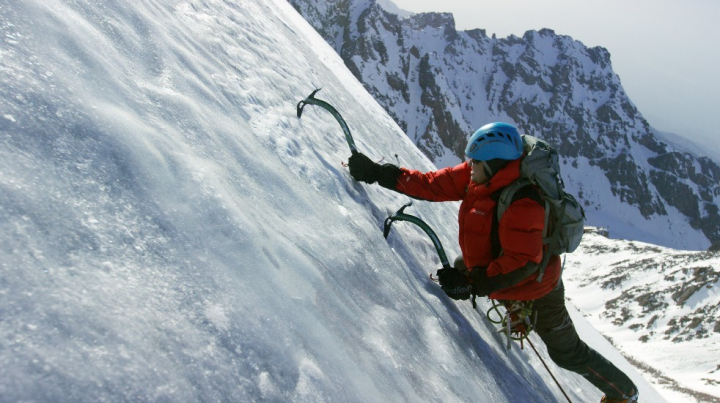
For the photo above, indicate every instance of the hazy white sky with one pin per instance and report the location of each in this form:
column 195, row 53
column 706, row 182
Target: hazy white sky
column 666, row 52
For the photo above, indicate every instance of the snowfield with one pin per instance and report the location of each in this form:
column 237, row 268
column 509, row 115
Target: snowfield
column 171, row 231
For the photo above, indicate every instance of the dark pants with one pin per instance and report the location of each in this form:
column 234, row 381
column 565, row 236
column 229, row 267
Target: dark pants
column 557, row 331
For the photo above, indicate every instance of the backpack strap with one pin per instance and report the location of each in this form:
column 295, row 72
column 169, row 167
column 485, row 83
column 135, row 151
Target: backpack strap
column 502, row 281
column 510, row 194
column 520, row 189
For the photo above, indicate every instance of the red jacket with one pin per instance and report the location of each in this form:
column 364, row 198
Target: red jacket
column 520, row 229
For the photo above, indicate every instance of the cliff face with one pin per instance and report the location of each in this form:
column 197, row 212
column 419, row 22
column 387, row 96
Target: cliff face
column 440, row 85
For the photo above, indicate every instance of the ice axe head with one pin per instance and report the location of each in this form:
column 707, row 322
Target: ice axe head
column 394, row 217
column 302, row 103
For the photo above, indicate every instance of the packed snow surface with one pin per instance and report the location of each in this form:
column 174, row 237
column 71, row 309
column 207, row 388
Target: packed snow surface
column 171, row 231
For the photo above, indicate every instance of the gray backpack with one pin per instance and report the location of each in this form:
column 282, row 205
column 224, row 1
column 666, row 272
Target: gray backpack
column 564, row 216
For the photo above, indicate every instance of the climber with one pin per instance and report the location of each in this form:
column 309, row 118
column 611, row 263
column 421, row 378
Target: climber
column 494, row 153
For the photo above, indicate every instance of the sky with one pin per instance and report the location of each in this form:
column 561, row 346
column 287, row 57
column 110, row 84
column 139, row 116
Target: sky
column 666, row 52
column 171, row 231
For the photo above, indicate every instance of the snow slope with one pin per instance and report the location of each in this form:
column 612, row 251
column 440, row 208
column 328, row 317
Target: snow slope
column 659, row 306
column 170, row 231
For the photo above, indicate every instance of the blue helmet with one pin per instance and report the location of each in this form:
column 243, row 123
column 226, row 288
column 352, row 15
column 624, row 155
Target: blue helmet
column 495, row 141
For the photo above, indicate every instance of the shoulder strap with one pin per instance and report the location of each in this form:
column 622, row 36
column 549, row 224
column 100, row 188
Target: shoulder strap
column 520, row 189
column 507, row 195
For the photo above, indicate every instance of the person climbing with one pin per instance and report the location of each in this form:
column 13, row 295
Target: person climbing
column 494, row 153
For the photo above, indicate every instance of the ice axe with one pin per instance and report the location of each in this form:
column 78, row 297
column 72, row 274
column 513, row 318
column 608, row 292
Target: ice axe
column 401, row 216
column 311, row 100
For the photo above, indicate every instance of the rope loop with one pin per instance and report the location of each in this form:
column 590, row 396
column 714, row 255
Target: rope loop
column 517, row 322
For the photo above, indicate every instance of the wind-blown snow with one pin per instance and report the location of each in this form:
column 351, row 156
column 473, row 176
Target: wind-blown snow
column 170, row 231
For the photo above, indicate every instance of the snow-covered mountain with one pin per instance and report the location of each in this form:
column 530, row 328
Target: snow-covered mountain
column 659, row 306
column 440, row 84
column 171, row 231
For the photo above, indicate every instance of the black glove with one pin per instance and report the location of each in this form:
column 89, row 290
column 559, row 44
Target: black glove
column 455, row 284
column 363, row 169
column 481, row 284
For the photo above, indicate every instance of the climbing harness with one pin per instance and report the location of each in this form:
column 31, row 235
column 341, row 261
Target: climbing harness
column 517, row 322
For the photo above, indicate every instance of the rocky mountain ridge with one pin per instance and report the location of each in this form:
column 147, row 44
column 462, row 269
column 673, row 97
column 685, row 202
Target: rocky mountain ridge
column 440, row 84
